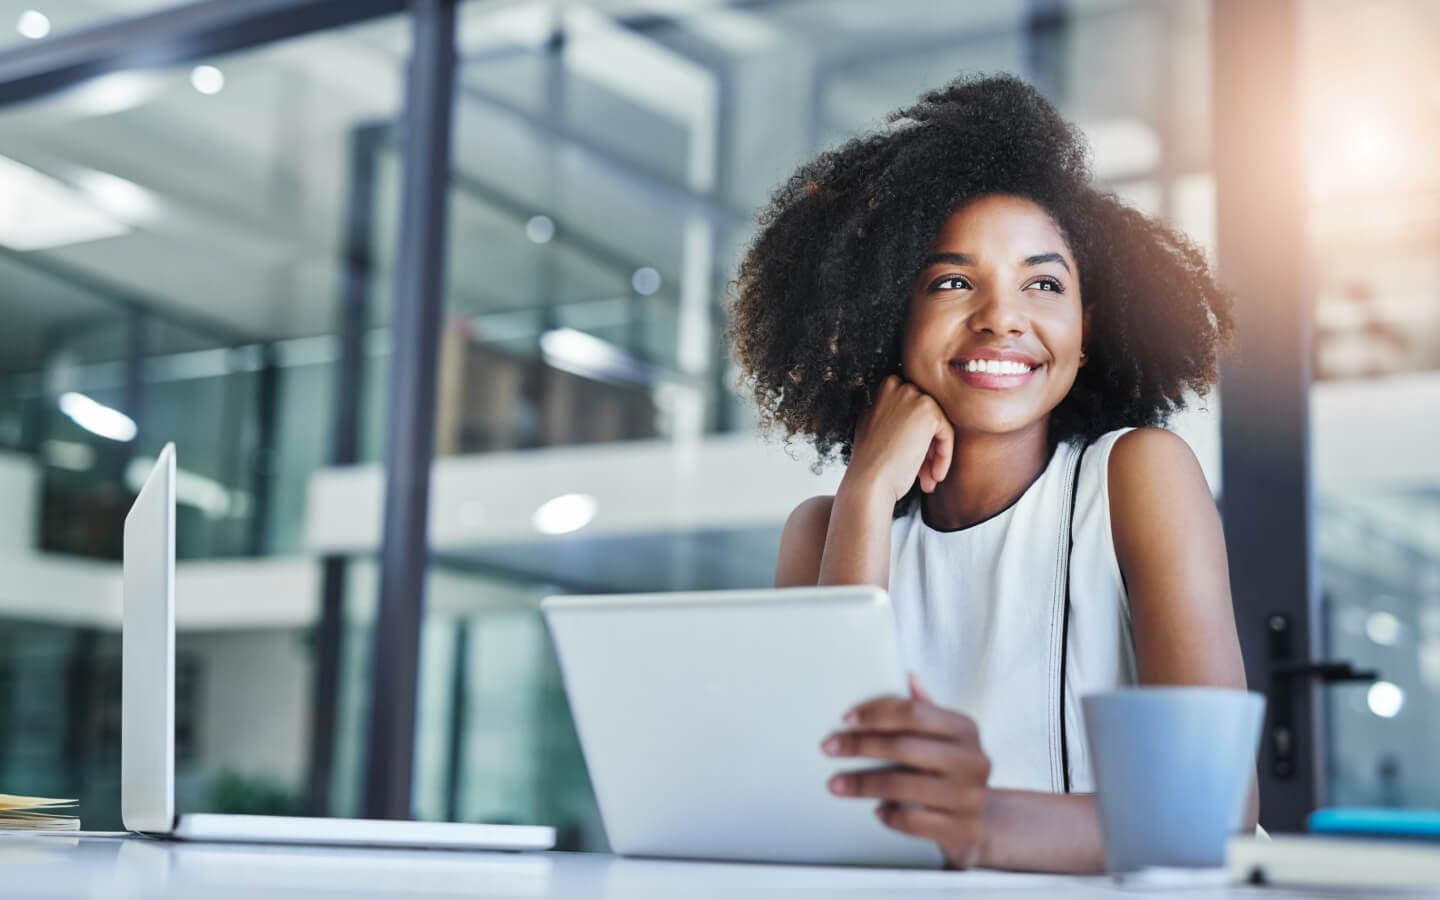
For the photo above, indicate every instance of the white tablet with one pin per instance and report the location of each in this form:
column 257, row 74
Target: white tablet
column 701, row 716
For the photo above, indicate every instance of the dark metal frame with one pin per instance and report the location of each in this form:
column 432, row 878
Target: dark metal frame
column 357, row 258
column 410, row 426
column 1265, row 388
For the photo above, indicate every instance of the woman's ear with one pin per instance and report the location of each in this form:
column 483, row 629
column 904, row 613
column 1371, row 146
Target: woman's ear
column 1084, row 336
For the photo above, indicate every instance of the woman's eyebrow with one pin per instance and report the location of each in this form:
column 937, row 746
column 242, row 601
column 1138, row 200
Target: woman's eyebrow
column 954, row 259
column 1042, row 258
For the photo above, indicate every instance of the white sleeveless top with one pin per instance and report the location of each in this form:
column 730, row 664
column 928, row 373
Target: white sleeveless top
column 979, row 617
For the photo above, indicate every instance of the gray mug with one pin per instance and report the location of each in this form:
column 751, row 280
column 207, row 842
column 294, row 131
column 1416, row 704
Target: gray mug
column 1173, row 771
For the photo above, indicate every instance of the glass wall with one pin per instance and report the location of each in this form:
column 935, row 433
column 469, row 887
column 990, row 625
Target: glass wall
column 1375, row 232
column 172, row 269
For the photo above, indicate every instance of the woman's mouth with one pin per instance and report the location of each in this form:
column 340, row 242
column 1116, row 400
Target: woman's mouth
column 994, row 374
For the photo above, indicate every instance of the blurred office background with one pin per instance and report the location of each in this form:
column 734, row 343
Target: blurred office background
column 206, row 253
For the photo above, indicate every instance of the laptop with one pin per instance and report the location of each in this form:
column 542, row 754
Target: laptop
column 147, row 723
column 701, row 714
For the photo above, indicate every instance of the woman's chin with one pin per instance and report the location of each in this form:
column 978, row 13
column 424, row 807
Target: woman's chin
column 1001, row 424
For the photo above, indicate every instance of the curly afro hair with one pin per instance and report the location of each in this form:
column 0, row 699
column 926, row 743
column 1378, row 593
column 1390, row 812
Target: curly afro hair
column 822, row 294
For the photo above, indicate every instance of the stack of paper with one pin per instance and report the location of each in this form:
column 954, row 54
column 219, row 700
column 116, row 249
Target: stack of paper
column 35, row 814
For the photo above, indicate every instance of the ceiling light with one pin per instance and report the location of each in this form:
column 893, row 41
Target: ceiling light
column 1385, row 699
column 207, row 79
column 38, row 212
column 1383, row 628
column 564, row 514
column 590, row 357
column 33, row 24
column 645, row 281
column 122, row 198
column 97, row 418
column 540, row 229
column 110, row 94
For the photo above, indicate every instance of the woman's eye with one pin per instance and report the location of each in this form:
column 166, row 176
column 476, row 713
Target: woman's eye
column 950, row 283
column 1048, row 284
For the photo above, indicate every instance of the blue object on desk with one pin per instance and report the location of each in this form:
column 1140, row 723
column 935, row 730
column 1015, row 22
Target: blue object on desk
column 1389, row 823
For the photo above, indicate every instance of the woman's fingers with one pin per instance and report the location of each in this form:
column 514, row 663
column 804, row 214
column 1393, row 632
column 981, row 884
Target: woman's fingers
column 925, row 754
column 943, row 449
column 917, row 690
column 903, row 714
column 900, row 786
column 928, row 481
column 957, row 835
column 919, row 821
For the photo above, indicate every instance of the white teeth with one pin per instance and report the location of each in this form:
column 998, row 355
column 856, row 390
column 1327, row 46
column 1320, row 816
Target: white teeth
column 996, row 367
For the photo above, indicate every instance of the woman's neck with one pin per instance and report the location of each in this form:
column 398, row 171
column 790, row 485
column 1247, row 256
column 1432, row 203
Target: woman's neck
column 988, row 473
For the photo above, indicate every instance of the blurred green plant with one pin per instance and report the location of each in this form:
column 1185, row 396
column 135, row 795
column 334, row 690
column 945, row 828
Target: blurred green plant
column 257, row 795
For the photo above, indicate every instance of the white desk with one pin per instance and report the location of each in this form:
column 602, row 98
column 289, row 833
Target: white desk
column 59, row 867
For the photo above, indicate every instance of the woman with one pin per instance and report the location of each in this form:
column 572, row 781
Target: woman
column 991, row 345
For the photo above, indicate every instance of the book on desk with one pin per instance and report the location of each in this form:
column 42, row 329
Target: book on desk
column 1356, row 847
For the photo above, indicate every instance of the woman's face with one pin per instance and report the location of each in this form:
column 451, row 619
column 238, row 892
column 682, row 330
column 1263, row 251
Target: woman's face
column 995, row 326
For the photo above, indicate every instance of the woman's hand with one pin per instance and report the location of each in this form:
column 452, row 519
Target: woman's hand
column 904, row 434
column 938, row 790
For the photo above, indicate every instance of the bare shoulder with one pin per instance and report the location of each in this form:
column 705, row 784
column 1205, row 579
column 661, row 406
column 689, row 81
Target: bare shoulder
column 1151, row 463
column 1150, row 449
column 1156, row 485
column 812, row 512
column 803, row 542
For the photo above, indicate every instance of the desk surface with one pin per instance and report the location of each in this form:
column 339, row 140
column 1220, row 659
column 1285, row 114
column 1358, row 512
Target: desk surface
column 58, row 866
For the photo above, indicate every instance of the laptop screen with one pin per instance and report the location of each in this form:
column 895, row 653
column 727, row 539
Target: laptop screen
column 147, row 681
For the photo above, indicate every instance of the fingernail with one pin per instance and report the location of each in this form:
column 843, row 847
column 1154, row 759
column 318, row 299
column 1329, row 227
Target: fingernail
column 851, row 718
column 837, row 785
column 831, row 746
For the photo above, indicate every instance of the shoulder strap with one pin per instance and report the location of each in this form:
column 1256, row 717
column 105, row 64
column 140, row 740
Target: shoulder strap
column 1072, row 502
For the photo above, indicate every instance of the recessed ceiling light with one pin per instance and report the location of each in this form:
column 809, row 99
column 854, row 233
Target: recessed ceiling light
column 1383, row 628
column 1385, row 699
column 540, row 229
column 645, row 281
column 38, row 211
column 97, row 418
column 207, row 79
column 33, row 24
column 564, row 514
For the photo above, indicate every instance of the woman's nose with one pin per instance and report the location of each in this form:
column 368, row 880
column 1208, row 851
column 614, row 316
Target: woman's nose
column 998, row 313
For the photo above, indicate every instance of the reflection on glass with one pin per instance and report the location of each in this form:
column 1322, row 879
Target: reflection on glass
column 1377, row 352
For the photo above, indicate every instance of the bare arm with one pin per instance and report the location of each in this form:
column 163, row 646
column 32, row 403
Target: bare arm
column 845, row 539
column 1172, row 552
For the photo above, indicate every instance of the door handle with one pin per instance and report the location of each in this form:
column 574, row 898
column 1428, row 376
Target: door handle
column 1325, row 670
column 1284, row 672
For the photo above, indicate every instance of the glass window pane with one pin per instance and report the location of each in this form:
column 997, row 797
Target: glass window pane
column 181, row 278
column 1377, row 386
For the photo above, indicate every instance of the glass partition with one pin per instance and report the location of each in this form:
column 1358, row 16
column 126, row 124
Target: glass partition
column 1374, row 231
column 176, row 278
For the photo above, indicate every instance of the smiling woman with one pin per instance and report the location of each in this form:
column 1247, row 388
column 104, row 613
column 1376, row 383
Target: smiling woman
column 990, row 343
